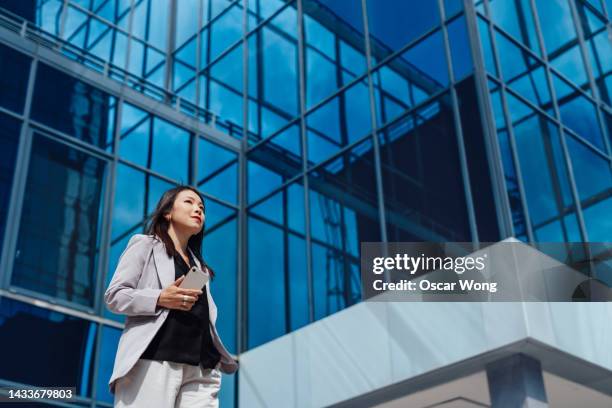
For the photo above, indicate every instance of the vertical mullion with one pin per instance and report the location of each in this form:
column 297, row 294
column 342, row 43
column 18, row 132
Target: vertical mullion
column 241, row 281
column 502, row 204
column 465, row 174
column 375, row 144
column 303, row 133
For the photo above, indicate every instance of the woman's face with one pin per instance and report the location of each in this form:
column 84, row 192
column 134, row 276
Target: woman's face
column 187, row 212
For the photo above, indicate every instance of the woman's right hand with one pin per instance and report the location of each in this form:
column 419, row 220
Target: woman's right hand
column 172, row 297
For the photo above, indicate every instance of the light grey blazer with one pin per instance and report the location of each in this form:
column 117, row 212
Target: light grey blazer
column 145, row 268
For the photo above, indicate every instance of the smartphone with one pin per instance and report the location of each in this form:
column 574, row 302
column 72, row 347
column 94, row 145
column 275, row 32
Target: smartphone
column 195, row 279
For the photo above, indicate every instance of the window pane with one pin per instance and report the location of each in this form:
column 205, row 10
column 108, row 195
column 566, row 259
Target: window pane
column 106, row 359
column 460, row 48
column 14, row 73
column 594, row 183
column 273, row 61
column 339, row 122
column 220, row 252
column 277, row 159
column 217, row 171
column 78, row 109
column 170, row 141
column 420, row 166
column 31, row 337
column 578, row 112
column 515, row 18
column 57, row 248
column 221, row 91
column 394, row 24
column 266, row 282
column 9, row 140
column 523, row 73
column 545, row 178
column 410, row 78
column 334, row 47
column 556, row 23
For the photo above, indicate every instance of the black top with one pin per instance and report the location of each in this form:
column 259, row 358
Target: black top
column 185, row 335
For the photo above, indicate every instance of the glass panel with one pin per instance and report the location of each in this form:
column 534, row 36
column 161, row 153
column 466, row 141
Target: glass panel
column 477, row 161
column 298, row 283
column 14, row 73
column 556, row 23
column 339, row 122
column 273, row 61
column 185, row 64
column 278, row 158
column 485, row 40
column 452, row 7
column 285, row 208
column 78, row 109
column 410, row 78
column 106, row 359
column 331, row 31
column 420, row 167
column 515, row 18
column 221, row 91
column 9, row 140
column 594, row 183
column 578, row 112
column 523, row 73
column 222, row 33
column 571, row 65
column 545, row 178
column 31, row 337
column 394, row 24
column 600, row 53
column 460, row 48
column 57, row 248
column 219, row 249
column 45, row 13
column 217, row 171
column 187, row 12
column 134, row 138
column 259, row 10
column 170, row 141
column 266, row 282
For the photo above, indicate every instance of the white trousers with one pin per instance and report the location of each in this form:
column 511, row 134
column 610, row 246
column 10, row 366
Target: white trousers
column 164, row 384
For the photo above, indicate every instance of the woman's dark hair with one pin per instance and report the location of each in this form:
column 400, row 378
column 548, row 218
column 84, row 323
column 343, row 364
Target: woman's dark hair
column 158, row 225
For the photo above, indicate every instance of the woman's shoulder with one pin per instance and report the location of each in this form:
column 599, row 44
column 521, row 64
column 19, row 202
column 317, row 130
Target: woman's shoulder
column 141, row 239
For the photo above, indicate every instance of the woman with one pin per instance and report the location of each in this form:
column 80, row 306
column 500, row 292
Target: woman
column 169, row 354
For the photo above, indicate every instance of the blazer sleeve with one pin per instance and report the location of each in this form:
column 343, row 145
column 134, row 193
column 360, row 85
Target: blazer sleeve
column 122, row 296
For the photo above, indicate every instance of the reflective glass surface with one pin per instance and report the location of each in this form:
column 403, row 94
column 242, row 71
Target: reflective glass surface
column 273, row 58
column 594, row 183
column 217, row 171
column 78, row 109
column 515, row 17
column 333, row 46
column 219, row 250
column 14, row 72
column 9, row 139
column 339, row 122
column 106, row 359
column 394, row 24
column 31, row 337
column 58, row 243
column 410, row 78
column 420, row 168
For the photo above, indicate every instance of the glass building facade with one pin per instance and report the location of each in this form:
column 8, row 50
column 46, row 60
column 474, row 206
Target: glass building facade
column 310, row 126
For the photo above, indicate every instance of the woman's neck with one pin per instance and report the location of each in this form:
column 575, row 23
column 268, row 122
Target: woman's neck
column 179, row 239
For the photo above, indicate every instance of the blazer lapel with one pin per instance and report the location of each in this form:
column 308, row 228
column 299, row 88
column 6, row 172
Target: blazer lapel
column 164, row 264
